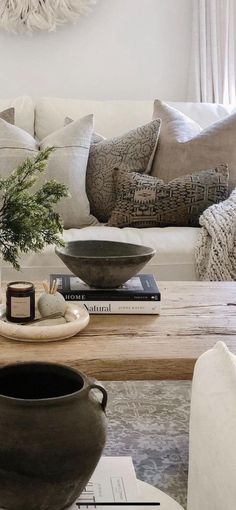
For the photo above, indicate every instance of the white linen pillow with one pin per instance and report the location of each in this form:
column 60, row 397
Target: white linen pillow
column 68, row 164
column 96, row 137
column 15, row 146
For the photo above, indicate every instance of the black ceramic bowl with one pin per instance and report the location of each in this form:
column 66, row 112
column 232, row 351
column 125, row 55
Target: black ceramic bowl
column 104, row 264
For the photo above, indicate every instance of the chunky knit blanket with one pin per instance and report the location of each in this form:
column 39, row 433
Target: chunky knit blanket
column 215, row 251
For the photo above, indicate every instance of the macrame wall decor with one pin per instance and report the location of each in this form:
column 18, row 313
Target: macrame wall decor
column 29, row 15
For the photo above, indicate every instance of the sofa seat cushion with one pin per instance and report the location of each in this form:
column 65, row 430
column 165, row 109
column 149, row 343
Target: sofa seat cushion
column 174, row 259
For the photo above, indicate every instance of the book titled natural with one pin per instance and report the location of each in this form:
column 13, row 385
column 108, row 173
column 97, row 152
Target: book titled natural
column 139, row 295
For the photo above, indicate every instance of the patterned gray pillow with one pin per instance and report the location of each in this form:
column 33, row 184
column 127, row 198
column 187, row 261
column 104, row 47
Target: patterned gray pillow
column 146, row 201
column 8, row 115
column 132, row 151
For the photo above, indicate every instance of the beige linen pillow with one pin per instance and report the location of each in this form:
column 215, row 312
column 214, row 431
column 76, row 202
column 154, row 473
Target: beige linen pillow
column 132, row 151
column 145, row 201
column 96, row 137
column 15, row 146
column 68, row 164
column 8, row 115
column 183, row 145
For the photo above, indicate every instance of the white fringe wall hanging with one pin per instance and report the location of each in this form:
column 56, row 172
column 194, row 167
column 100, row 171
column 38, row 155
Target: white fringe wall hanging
column 28, row 15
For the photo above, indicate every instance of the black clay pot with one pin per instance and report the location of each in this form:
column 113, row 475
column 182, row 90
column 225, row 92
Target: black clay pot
column 52, row 430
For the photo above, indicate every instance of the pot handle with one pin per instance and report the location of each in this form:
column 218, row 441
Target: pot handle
column 104, row 393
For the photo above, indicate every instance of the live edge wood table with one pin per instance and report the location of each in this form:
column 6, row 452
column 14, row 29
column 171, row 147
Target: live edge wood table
column 194, row 316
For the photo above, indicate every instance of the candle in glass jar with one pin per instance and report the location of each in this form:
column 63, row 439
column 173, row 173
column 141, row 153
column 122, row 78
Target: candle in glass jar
column 20, row 301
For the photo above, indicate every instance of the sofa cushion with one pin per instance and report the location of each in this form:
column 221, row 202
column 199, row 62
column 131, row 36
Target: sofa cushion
column 144, row 201
column 184, row 145
column 212, row 452
column 132, row 151
column 8, row 115
column 24, row 111
column 16, row 145
column 68, row 164
column 112, row 118
column 174, row 259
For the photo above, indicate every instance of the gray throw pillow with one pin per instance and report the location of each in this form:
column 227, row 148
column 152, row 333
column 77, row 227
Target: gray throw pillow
column 8, row 115
column 183, row 144
column 133, row 151
column 146, row 201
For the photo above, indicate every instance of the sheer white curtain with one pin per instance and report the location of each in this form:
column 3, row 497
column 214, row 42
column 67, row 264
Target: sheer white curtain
column 213, row 56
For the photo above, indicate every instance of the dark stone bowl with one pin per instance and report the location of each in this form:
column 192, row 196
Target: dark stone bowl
column 104, row 264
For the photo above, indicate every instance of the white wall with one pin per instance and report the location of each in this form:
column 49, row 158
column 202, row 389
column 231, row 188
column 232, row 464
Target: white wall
column 124, row 49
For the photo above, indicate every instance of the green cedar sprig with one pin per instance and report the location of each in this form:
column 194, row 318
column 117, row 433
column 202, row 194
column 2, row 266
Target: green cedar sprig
column 28, row 221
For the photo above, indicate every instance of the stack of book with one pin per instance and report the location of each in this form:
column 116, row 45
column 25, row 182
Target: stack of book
column 139, row 295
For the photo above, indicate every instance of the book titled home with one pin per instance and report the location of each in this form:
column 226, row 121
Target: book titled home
column 138, row 295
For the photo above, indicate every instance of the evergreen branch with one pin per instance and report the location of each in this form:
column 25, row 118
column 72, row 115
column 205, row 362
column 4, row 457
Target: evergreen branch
column 27, row 218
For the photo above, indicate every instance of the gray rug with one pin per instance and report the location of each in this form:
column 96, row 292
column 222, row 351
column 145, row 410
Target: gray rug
column 149, row 420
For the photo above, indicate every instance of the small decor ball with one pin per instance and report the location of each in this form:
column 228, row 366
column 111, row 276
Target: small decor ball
column 51, row 301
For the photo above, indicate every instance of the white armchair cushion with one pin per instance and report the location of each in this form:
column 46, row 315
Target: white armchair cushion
column 212, row 453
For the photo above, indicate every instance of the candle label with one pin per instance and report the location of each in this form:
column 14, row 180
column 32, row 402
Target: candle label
column 20, row 307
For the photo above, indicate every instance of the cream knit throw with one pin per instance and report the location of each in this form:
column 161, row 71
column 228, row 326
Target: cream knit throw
column 215, row 251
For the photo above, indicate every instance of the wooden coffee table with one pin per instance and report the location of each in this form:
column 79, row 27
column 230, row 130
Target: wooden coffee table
column 195, row 315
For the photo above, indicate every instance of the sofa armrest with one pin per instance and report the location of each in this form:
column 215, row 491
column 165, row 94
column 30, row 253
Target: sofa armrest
column 212, row 451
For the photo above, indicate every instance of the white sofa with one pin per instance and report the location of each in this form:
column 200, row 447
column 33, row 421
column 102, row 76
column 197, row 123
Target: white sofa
column 174, row 259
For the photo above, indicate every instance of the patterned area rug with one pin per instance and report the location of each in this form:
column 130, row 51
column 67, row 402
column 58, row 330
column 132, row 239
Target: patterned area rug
column 149, row 420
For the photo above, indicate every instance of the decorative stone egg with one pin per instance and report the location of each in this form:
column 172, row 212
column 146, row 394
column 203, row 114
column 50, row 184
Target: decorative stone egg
column 49, row 304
